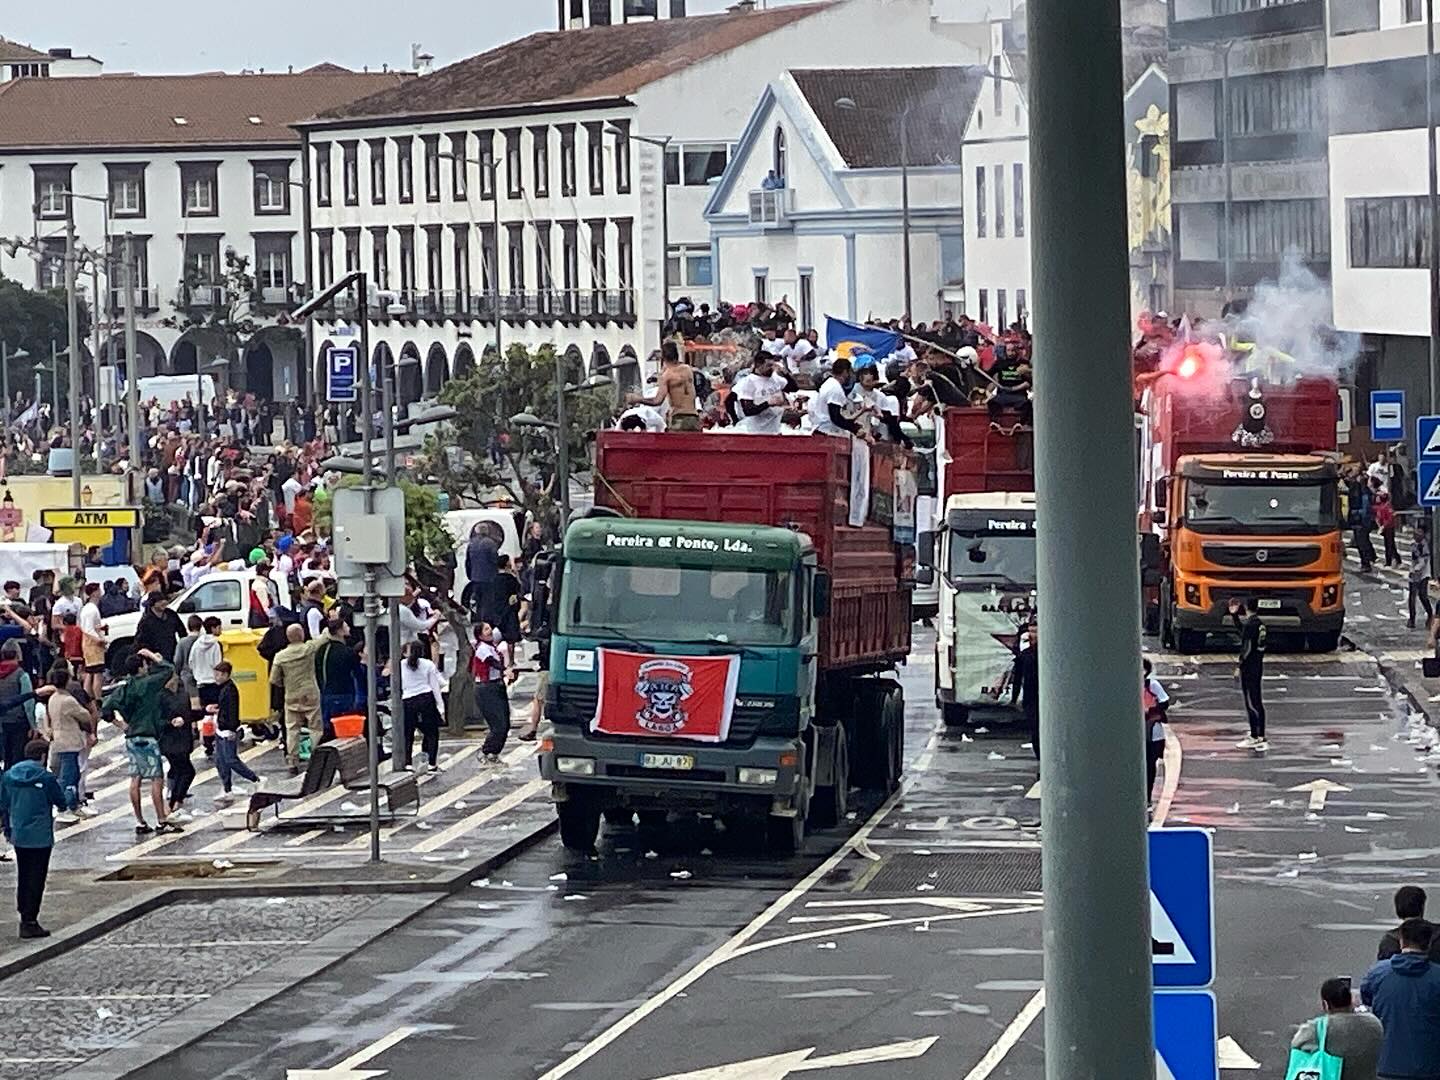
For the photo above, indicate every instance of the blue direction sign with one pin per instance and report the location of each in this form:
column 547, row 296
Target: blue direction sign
column 1186, row 1036
column 1182, row 907
column 342, row 366
column 1429, row 481
column 1387, row 415
column 1427, row 436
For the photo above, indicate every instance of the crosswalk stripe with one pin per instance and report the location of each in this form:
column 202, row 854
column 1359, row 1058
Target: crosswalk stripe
column 475, row 820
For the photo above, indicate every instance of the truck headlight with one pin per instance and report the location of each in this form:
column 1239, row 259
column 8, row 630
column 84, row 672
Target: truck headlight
column 759, row 776
column 1329, row 595
column 575, row 766
column 1192, row 594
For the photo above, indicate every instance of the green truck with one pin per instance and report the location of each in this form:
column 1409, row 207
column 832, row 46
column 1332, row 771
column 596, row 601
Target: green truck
column 723, row 642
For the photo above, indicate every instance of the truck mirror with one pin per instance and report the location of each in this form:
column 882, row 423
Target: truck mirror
column 1162, row 493
column 820, row 595
column 925, row 575
column 1158, row 515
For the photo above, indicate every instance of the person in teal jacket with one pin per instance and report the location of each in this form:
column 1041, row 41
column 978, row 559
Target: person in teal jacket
column 29, row 797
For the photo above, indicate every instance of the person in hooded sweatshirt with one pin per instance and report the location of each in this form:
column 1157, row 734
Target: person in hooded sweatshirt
column 17, row 706
column 29, row 797
column 1404, row 992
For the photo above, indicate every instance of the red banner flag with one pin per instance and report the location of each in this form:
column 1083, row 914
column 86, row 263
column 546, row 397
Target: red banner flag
column 672, row 697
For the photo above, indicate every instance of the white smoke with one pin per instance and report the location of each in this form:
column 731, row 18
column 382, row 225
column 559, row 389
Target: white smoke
column 1292, row 315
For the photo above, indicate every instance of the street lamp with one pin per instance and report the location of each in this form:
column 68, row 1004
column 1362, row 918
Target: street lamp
column 661, row 143
column 846, row 104
column 560, row 428
column 492, row 165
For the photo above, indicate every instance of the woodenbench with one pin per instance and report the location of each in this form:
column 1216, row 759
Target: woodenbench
column 353, row 767
column 319, row 775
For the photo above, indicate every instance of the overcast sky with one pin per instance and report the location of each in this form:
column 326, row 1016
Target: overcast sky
column 183, row 36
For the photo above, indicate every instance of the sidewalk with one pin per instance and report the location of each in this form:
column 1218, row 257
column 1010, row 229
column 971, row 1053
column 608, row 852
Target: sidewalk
column 1375, row 623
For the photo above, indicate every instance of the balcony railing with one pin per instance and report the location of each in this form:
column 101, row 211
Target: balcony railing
column 147, row 299
column 769, row 207
column 516, row 305
column 202, row 296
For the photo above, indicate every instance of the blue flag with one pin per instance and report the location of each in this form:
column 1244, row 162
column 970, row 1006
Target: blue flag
column 852, row 340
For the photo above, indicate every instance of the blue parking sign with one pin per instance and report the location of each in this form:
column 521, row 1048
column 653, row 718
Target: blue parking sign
column 1182, row 908
column 1186, row 1036
column 342, row 365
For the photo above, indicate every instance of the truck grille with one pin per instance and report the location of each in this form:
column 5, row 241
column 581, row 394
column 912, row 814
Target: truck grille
column 570, row 704
column 1222, row 594
column 1261, row 555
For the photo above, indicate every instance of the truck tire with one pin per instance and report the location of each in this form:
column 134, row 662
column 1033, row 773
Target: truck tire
column 619, row 817
column 116, row 656
column 1166, row 615
column 579, row 823
column 955, row 715
column 830, row 803
column 785, row 835
column 894, row 711
column 876, row 762
column 1328, row 641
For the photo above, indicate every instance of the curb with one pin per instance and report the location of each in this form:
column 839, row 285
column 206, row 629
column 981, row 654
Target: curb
column 118, row 914
column 1393, row 678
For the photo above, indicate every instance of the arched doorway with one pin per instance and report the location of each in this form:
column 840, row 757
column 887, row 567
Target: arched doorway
column 259, row 371
column 574, row 365
column 408, row 378
column 270, row 365
column 322, row 356
column 150, row 357
column 464, row 361
column 626, row 371
column 436, row 371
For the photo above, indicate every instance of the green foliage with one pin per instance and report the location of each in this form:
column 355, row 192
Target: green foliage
column 227, row 324
column 427, row 541
column 31, row 320
column 486, row 399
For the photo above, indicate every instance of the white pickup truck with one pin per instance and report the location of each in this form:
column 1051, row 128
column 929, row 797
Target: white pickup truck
column 224, row 594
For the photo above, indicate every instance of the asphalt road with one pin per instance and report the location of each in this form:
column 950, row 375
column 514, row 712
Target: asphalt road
column 912, row 934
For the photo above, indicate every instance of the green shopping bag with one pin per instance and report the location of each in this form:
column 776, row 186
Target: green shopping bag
column 1318, row 1065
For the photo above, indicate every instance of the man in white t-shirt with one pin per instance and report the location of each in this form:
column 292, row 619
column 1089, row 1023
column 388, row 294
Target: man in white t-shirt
column 828, row 408
column 881, row 411
column 641, row 418
column 799, row 355
column 290, row 490
column 772, row 344
column 760, row 398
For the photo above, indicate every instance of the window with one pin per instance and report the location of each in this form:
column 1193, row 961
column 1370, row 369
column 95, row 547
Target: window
column 405, row 169
column 272, row 187
column 984, row 305
column 625, row 256
column 762, row 283
column 598, row 269
column 486, row 141
column 322, row 174
column 202, row 260
column 1019, row 207
column 513, row 178
column 140, row 260
column 545, row 278
column 1275, row 104
column 377, row 172
column 599, row 12
column 1022, row 312
column 807, row 299
column 325, row 257
column 540, row 137
column 1266, row 231
column 489, row 259
column 198, row 182
column 432, row 168
column 213, row 596
column 1414, row 11
column 998, row 84
column 570, row 258
column 459, row 167
column 352, row 250
column 127, row 190
column 1149, row 163
column 434, row 260
column 779, row 156
column 672, row 165
column 380, row 257
column 1392, row 233
column 980, row 200
column 272, row 266
column 1000, row 323
column 999, row 201
column 702, row 162
column 567, row 160
column 407, row 257
column 50, row 269
column 595, row 147
column 622, row 156
column 517, row 257
column 690, row 266
column 460, row 242
column 350, row 172
column 51, row 184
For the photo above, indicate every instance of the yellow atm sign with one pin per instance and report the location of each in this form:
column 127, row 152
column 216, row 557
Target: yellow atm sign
column 85, row 517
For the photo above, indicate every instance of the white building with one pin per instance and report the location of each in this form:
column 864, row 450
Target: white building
column 831, row 237
column 19, row 61
column 540, row 125
column 188, row 166
column 1379, row 213
column 996, row 160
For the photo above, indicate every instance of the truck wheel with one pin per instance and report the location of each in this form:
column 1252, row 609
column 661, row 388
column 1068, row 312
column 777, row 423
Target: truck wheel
column 579, row 823
column 653, row 824
column 830, row 803
column 785, row 835
column 1328, row 641
column 1189, row 641
column 893, row 710
column 619, row 817
column 955, row 715
column 1166, row 616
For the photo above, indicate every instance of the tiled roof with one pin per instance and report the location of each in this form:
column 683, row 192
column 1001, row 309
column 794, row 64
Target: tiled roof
column 574, row 65
column 14, row 52
column 939, row 100
column 106, row 111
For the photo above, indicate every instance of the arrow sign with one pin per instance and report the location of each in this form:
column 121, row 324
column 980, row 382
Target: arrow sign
column 779, row 1066
column 1319, row 791
column 349, row 1068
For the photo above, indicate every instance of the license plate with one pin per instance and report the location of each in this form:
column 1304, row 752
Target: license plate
column 667, row 761
column 1268, row 605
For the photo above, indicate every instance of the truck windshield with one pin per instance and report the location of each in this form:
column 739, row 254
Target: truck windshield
column 679, row 604
column 1301, row 509
column 987, row 559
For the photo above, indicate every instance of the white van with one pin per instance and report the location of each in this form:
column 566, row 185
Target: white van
column 462, row 525
column 174, row 389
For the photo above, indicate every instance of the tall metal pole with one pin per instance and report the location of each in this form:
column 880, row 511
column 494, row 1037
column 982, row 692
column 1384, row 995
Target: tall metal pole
column 397, row 704
column 95, row 355
column 664, row 245
column 905, row 202
column 372, row 607
column 73, row 317
column 562, row 444
column 307, row 376
column 132, row 360
column 495, row 262
column 1434, row 192
column 1229, row 238
column 54, row 382
column 1097, row 911
column 5, row 376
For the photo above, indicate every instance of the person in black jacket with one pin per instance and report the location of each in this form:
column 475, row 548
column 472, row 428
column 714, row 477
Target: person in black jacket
column 1025, row 685
column 177, row 742
column 159, row 628
column 1409, row 904
column 1252, row 668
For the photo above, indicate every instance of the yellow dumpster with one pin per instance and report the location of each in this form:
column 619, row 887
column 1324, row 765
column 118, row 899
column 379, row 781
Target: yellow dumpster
column 251, row 673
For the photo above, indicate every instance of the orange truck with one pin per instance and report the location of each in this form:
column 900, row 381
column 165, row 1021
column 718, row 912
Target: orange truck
column 1239, row 498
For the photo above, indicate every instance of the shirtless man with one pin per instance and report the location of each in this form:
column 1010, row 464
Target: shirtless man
column 675, row 388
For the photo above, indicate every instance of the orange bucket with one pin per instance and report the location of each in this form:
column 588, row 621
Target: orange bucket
column 349, row 726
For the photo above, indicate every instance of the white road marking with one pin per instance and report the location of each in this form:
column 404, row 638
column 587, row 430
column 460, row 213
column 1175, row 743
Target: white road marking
column 473, row 821
column 779, row 1066
column 349, row 1069
column 1319, row 791
column 1232, row 1057
column 1012, row 1034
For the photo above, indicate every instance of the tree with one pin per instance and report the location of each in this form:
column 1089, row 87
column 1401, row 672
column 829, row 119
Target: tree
column 31, row 319
column 459, row 458
column 219, row 310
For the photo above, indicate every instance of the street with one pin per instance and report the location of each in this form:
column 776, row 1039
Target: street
column 911, row 934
